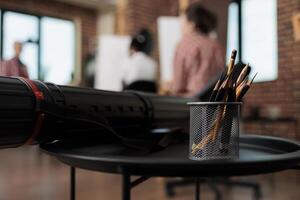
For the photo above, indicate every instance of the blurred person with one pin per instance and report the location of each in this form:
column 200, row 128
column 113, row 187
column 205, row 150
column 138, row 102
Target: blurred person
column 89, row 64
column 139, row 66
column 14, row 66
column 199, row 58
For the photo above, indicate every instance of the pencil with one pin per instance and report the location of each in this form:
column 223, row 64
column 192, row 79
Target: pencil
column 231, row 61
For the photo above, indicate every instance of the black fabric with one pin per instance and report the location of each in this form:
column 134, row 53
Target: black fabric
column 144, row 86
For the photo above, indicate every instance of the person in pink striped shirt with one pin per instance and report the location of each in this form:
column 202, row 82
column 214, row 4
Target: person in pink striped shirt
column 14, row 66
column 198, row 58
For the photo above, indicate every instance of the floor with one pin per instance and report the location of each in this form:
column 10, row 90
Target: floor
column 28, row 174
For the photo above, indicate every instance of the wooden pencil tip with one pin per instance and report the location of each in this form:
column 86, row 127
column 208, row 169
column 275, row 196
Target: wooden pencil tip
column 250, row 82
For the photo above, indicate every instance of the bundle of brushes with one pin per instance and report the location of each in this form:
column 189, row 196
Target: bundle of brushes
column 231, row 87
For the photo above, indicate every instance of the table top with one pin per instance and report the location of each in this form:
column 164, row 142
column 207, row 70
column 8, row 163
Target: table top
column 258, row 154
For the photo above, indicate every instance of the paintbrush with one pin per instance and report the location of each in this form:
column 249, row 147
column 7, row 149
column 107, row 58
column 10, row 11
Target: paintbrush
column 238, row 68
column 244, row 73
column 240, row 87
column 250, row 82
column 221, row 94
column 231, row 62
column 243, row 90
column 217, row 86
column 215, row 91
column 226, row 92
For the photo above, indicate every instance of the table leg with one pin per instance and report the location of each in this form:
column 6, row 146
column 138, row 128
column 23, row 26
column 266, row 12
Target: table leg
column 197, row 194
column 126, row 187
column 73, row 183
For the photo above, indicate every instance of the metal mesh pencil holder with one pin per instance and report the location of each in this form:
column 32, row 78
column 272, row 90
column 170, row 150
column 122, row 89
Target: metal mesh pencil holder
column 214, row 130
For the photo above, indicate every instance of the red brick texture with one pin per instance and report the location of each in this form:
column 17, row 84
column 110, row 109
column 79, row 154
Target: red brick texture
column 144, row 14
column 87, row 17
column 283, row 93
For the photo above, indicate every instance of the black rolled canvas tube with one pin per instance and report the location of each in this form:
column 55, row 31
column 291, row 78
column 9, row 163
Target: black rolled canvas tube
column 129, row 113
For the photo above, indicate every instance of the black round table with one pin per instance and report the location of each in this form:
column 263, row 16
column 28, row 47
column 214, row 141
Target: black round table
column 258, row 154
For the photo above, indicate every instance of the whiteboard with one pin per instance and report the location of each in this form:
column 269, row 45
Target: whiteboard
column 169, row 34
column 112, row 51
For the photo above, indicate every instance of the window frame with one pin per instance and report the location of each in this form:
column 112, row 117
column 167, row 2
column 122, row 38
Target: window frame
column 39, row 16
column 240, row 45
column 240, row 37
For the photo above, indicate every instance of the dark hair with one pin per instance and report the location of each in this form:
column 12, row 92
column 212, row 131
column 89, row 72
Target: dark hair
column 142, row 41
column 204, row 20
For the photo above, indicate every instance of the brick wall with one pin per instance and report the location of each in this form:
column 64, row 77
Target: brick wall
column 87, row 17
column 144, row 13
column 283, row 93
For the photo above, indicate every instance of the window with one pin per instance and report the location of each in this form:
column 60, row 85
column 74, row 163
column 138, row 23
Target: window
column 57, row 40
column 49, row 45
column 259, row 36
column 23, row 28
column 233, row 29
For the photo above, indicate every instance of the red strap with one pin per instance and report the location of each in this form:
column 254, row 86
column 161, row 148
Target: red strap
column 39, row 96
column 37, row 93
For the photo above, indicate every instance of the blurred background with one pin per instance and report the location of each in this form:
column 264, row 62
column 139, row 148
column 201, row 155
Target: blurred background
column 85, row 42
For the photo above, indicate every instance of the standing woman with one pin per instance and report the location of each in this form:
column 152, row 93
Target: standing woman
column 199, row 57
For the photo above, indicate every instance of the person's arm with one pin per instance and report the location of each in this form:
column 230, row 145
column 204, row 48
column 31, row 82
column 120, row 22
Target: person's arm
column 179, row 75
column 23, row 71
